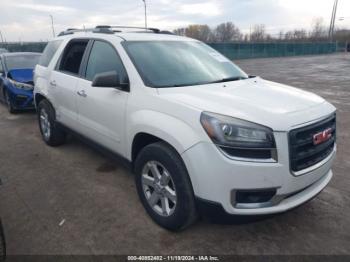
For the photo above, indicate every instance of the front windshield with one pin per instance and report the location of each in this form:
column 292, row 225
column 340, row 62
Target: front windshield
column 180, row 63
column 21, row 61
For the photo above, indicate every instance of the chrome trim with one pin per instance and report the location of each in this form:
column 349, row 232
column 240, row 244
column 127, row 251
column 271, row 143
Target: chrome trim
column 316, row 166
column 274, row 200
column 311, row 122
column 324, row 161
column 253, row 160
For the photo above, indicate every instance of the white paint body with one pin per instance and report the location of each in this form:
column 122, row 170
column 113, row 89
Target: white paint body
column 112, row 118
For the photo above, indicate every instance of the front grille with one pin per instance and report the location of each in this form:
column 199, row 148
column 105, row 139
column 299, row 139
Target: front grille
column 20, row 100
column 303, row 152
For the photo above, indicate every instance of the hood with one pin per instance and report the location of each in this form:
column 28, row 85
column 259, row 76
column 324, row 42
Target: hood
column 21, row 75
column 271, row 104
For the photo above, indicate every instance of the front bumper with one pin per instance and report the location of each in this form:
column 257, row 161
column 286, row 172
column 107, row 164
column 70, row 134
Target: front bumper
column 216, row 178
column 21, row 99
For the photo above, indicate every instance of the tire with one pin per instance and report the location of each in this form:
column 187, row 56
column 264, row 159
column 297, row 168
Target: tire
column 2, row 244
column 51, row 133
column 174, row 193
column 8, row 103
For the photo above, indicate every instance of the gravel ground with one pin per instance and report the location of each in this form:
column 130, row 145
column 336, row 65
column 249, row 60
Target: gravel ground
column 72, row 200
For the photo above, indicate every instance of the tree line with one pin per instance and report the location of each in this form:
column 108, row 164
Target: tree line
column 229, row 32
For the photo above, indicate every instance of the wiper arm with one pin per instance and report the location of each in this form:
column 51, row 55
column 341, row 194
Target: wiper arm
column 229, row 79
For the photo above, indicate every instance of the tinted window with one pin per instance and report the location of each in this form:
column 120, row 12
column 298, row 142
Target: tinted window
column 23, row 61
column 73, row 54
column 49, row 52
column 180, row 63
column 104, row 58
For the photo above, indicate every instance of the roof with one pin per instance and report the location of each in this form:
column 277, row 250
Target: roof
column 130, row 34
column 127, row 36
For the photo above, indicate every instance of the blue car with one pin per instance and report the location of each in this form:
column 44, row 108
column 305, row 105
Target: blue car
column 16, row 80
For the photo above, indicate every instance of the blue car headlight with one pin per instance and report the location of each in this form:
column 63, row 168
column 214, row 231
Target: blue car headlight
column 20, row 85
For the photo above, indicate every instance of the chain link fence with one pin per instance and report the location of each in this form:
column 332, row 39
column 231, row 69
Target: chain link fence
column 260, row 50
column 24, row 47
column 230, row 50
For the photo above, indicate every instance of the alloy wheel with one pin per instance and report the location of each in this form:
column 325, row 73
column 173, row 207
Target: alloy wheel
column 159, row 188
column 45, row 124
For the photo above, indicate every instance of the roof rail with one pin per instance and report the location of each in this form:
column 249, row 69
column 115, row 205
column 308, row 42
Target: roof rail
column 71, row 31
column 107, row 29
column 154, row 30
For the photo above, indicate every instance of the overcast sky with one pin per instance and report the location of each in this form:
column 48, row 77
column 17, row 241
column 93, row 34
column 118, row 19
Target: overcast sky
column 28, row 20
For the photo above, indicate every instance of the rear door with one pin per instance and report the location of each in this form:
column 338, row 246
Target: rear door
column 47, row 64
column 102, row 110
column 64, row 80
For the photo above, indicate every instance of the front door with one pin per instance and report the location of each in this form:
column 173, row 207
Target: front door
column 101, row 111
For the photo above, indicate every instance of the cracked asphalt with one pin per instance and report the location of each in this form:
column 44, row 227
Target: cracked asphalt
column 73, row 200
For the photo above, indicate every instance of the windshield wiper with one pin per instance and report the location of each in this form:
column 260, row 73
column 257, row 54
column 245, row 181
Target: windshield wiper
column 228, row 79
column 182, row 85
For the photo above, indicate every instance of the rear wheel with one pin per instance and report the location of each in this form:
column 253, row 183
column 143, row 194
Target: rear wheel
column 8, row 102
column 164, row 187
column 52, row 134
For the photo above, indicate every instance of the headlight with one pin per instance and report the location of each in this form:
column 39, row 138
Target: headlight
column 239, row 138
column 21, row 85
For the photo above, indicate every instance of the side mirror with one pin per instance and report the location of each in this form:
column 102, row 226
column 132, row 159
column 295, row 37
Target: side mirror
column 108, row 80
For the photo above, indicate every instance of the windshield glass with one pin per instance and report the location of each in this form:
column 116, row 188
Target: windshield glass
column 180, row 63
column 21, row 61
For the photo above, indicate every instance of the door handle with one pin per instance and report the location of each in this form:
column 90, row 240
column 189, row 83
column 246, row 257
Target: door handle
column 82, row 93
column 53, row 83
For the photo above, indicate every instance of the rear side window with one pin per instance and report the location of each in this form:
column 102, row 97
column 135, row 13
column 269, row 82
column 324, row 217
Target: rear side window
column 104, row 58
column 49, row 52
column 72, row 56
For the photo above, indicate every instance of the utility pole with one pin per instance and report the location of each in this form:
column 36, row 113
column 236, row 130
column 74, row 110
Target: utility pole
column 2, row 39
column 250, row 33
column 53, row 29
column 144, row 1
column 334, row 14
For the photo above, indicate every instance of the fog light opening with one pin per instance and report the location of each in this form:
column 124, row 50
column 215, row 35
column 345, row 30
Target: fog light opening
column 252, row 197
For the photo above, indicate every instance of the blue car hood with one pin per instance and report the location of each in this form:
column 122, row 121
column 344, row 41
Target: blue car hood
column 21, row 75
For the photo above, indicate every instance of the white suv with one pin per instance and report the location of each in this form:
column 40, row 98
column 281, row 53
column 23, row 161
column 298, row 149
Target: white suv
column 199, row 133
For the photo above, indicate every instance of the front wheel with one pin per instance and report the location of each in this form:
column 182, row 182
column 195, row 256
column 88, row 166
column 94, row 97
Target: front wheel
column 164, row 187
column 8, row 102
column 52, row 134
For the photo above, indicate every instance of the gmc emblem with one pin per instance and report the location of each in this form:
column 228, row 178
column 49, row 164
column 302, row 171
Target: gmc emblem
column 323, row 136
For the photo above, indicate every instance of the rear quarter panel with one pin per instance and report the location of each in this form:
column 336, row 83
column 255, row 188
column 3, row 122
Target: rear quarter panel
column 42, row 74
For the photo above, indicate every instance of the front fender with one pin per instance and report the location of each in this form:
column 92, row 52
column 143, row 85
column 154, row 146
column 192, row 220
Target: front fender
column 174, row 131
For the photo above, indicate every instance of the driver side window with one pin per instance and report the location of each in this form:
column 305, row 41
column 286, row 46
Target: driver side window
column 104, row 58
